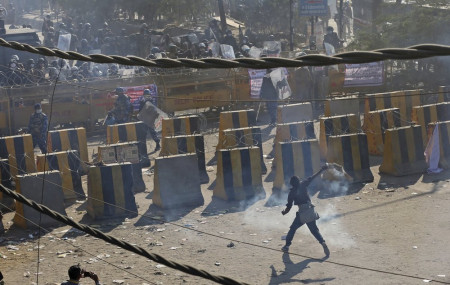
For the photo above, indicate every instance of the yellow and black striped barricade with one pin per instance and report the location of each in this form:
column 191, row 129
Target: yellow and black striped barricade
column 239, row 174
column 244, row 137
column 292, row 132
column 444, row 142
column 235, row 120
column 68, row 164
column 130, row 132
column 300, row 158
column 187, row 144
column 48, row 194
column 69, row 139
column 335, row 126
column 352, row 152
column 5, row 180
column 403, row 151
column 177, row 182
column 110, row 191
column 376, row 123
column 444, row 94
column 426, row 114
column 404, row 100
column 294, row 113
column 124, row 152
column 341, row 106
column 186, row 125
column 20, row 154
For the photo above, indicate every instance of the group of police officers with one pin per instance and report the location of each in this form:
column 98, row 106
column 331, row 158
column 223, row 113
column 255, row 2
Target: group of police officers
column 121, row 113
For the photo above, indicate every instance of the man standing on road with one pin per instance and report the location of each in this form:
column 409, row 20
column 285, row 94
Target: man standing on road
column 76, row 273
column 37, row 127
column 306, row 214
column 270, row 94
column 148, row 113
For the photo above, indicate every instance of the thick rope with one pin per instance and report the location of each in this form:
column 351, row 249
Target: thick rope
column 354, row 57
column 112, row 240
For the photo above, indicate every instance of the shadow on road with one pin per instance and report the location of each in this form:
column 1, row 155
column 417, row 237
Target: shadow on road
column 292, row 269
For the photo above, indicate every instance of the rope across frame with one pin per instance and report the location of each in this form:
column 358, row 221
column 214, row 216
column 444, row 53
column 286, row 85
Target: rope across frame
column 353, row 57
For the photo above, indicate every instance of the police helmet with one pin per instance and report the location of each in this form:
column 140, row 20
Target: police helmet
column 37, row 106
column 147, row 92
column 120, row 90
column 15, row 57
column 155, row 50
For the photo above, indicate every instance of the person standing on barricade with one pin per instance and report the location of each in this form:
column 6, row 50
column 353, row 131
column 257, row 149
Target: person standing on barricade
column 37, row 127
column 306, row 214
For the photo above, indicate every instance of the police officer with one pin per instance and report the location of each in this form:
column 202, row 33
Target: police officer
column 38, row 127
column 148, row 113
column 122, row 107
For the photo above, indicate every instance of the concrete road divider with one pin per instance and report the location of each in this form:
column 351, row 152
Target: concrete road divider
column 48, row 194
column 403, row 151
column 130, row 132
column 20, row 154
column 376, row 123
column 341, row 106
column 69, row 139
column 352, row 152
column 404, row 100
column 294, row 113
column 187, row 144
column 238, row 174
column 237, row 119
column 124, row 152
column 335, row 126
column 426, row 114
column 110, row 191
column 444, row 142
column 68, row 165
column 301, row 158
column 243, row 137
column 177, row 182
column 186, row 125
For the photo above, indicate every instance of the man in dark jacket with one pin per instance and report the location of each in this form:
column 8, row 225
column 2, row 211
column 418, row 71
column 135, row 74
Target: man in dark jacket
column 37, row 127
column 76, row 273
column 270, row 95
column 298, row 195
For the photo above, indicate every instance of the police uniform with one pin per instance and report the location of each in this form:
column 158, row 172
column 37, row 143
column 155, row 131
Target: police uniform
column 122, row 109
column 38, row 127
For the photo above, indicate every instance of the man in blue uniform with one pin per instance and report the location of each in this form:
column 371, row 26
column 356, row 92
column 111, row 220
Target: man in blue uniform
column 37, row 127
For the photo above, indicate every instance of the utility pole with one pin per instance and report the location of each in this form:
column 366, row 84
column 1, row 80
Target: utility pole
column 223, row 19
column 291, row 26
column 341, row 15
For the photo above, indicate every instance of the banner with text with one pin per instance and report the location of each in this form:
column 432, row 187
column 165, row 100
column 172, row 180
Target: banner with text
column 366, row 74
column 313, row 7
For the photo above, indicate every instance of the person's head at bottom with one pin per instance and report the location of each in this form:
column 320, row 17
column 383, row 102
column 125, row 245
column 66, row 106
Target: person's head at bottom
column 76, row 273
